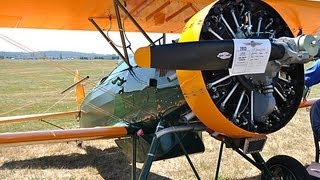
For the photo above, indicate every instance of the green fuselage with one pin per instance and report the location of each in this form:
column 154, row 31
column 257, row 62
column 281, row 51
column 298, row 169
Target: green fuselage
column 129, row 96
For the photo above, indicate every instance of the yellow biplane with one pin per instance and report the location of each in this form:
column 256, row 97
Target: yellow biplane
column 236, row 72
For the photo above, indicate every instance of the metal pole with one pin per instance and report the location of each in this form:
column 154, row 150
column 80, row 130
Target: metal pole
column 258, row 162
column 152, row 151
column 73, row 85
column 263, row 167
column 187, row 156
column 123, row 41
column 109, row 40
column 134, row 22
column 219, row 160
column 134, row 157
column 247, row 158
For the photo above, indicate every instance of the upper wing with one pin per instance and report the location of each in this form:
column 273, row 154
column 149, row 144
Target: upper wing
column 152, row 15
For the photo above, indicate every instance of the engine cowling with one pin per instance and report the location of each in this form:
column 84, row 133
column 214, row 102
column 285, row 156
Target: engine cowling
column 248, row 105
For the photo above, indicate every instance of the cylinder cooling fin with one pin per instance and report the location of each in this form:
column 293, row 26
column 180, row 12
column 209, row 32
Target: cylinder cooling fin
column 242, row 105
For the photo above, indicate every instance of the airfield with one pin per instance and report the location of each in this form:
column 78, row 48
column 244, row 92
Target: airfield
column 28, row 87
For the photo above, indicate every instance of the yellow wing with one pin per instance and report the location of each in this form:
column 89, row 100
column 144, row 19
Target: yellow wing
column 30, row 117
column 153, row 15
column 34, row 137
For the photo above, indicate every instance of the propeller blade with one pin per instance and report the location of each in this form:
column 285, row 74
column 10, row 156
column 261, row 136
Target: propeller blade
column 199, row 55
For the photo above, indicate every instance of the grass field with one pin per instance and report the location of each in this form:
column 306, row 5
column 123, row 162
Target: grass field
column 34, row 86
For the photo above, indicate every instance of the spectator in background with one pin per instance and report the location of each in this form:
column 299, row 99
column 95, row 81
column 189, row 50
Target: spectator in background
column 312, row 77
column 312, row 74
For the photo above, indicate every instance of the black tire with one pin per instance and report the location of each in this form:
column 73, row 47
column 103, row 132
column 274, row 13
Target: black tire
column 286, row 168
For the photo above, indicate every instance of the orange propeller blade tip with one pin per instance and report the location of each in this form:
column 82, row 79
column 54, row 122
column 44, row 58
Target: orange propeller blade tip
column 143, row 57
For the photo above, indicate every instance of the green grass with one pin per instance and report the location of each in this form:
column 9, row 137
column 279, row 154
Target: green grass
column 34, row 86
column 40, row 84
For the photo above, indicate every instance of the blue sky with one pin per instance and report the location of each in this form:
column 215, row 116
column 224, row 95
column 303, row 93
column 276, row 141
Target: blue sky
column 67, row 40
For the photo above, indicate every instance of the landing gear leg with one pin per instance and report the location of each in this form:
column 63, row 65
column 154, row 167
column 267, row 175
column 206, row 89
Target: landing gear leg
column 134, row 157
column 266, row 174
column 278, row 167
column 188, row 158
column 258, row 162
column 153, row 148
column 161, row 131
column 219, row 160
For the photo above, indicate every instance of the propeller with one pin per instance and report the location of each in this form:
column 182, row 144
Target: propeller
column 198, row 55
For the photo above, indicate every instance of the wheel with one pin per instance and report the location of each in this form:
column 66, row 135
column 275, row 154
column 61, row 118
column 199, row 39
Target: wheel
column 286, row 168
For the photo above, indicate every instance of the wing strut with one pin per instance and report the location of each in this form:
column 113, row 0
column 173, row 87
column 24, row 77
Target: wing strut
column 124, row 56
column 109, row 40
column 121, row 31
column 117, row 3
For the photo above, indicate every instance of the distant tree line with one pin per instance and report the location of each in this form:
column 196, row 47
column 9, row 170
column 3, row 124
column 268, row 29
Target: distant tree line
column 56, row 55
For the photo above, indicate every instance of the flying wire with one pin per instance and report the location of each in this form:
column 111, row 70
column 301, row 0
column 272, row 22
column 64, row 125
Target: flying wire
column 128, row 46
column 107, row 33
column 98, row 109
column 25, row 48
column 18, row 108
column 37, row 54
column 57, row 102
column 15, row 43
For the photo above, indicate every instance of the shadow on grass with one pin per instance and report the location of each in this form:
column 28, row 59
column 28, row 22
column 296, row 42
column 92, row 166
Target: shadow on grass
column 111, row 163
column 257, row 177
